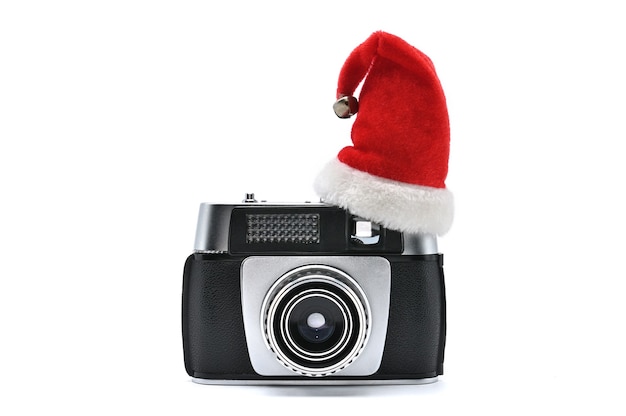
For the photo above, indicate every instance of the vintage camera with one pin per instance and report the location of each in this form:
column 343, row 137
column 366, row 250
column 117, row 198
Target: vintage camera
column 310, row 294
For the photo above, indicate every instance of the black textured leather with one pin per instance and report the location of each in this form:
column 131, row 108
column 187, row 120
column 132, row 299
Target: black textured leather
column 416, row 328
column 213, row 333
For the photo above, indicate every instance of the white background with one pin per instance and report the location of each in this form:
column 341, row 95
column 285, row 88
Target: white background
column 118, row 118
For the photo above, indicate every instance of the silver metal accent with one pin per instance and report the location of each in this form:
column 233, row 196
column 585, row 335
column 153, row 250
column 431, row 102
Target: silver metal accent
column 259, row 274
column 315, row 382
column 309, row 355
column 416, row 244
column 213, row 228
column 366, row 232
column 211, row 252
column 284, row 288
column 363, row 228
column 346, row 106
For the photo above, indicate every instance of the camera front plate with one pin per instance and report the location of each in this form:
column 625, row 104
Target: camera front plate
column 258, row 275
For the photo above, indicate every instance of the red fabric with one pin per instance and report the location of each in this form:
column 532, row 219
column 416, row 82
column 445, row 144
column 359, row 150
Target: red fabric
column 401, row 131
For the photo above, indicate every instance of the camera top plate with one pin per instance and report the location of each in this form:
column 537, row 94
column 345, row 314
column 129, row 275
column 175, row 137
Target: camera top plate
column 226, row 229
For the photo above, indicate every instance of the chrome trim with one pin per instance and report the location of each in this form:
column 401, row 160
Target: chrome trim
column 309, row 355
column 314, row 382
column 258, row 275
column 419, row 244
column 210, row 252
column 213, row 228
column 316, row 273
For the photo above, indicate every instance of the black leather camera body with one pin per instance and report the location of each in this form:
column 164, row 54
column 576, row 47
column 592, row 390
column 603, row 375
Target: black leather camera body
column 310, row 294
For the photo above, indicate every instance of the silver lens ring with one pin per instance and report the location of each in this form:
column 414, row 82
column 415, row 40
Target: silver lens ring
column 338, row 346
column 328, row 284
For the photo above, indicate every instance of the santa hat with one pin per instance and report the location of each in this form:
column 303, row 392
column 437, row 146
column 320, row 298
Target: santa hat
column 395, row 172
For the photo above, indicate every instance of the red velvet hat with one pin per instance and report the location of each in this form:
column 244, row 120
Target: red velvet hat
column 395, row 172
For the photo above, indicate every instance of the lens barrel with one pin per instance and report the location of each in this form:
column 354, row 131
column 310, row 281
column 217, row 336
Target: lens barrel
column 316, row 320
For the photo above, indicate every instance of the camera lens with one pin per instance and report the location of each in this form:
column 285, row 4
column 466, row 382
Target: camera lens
column 315, row 323
column 316, row 320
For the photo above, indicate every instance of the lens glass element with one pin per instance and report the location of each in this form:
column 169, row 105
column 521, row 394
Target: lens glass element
column 314, row 320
